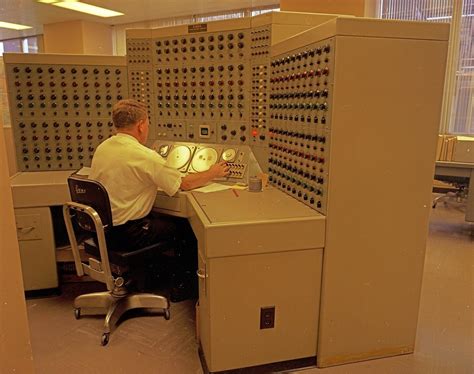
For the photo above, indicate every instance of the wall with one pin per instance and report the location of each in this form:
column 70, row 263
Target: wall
column 63, row 37
column 97, row 38
column 78, row 37
column 360, row 8
column 15, row 348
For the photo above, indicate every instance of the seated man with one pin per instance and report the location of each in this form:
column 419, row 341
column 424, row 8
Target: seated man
column 131, row 174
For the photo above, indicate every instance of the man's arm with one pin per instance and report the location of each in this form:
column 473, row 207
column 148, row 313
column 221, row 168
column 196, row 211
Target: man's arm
column 192, row 181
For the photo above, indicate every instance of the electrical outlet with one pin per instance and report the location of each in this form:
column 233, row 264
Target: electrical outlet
column 267, row 317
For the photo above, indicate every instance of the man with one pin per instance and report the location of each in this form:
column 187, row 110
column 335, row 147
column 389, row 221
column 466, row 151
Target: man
column 131, row 174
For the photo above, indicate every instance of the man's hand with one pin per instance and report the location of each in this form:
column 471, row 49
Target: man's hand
column 219, row 170
column 192, row 181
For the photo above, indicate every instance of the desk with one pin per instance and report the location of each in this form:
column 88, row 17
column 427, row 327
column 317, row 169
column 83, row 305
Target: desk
column 460, row 169
column 256, row 250
column 33, row 194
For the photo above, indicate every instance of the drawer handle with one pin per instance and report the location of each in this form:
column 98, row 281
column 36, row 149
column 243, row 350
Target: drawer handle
column 25, row 230
column 201, row 274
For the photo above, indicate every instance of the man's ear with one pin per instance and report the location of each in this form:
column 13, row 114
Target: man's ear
column 141, row 125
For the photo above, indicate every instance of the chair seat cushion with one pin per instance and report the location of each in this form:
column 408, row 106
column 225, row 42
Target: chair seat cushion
column 124, row 258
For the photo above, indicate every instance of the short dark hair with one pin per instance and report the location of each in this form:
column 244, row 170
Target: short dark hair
column 126, row 113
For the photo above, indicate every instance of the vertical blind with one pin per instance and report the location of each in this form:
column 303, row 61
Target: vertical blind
column 458, row 106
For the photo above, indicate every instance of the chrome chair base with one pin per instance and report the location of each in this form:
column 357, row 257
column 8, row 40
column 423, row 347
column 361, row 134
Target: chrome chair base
column 116, row 303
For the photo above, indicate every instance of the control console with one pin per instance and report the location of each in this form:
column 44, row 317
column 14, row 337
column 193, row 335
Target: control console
column 195, row 158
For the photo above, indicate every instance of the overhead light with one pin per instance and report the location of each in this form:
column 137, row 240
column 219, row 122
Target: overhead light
column 13, row 26
column 83, row 7
column 447, row 17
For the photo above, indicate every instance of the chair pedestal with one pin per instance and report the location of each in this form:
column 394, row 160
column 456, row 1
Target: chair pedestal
column 116, row 305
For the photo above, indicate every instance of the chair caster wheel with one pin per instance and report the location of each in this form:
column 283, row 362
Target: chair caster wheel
column 167, row 314
column 105, row 338
column 77, row 313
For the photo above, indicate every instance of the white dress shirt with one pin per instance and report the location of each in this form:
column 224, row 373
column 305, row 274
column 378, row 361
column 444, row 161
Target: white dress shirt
column 131, row 174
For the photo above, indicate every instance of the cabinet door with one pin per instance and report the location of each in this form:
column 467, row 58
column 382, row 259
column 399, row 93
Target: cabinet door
column 240, row 287
column 37, row 248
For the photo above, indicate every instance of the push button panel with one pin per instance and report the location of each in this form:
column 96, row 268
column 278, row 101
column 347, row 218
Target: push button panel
column 59, row 144
column 60, row 110
column 300, row 104
column 195, row 79
column 259, row 115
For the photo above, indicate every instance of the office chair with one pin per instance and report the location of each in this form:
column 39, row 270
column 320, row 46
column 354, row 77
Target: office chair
column 452, row 187
column 90, row 210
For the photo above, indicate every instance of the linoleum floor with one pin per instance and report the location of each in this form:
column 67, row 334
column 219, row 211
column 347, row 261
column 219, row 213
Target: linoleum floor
column 150, row 344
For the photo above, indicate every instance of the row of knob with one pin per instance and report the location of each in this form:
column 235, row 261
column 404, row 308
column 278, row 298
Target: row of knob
column 201, row 97
column 201, row 39
column 66, row 124
column 201, row 105
column 47, row 149
column 43, row 97
column 301, row 106
column 298, row 95
column 65, row 84
column 299, row 135
column 303, row 75
column 299, row 118
column 185, row 114
column 65, row 105
column 51, row 70
column 201, row 48
column 299, row 67
column 201, row 69
column 211, row 83
column 298, row 171
column 289, row 186
column 302, row 55
column 297, row 153
column 58, row 137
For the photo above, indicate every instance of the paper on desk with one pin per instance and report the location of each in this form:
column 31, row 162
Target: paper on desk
column 213, row 187
column 84, row 171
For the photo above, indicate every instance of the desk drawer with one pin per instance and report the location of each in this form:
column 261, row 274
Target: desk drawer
column 37, row 248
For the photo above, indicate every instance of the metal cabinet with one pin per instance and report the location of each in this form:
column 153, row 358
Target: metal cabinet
column 37, row 248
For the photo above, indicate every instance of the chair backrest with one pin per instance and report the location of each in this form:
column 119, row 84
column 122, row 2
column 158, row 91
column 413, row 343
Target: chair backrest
column 91, row 193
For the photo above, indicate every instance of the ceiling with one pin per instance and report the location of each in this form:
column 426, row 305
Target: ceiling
column 32, row 13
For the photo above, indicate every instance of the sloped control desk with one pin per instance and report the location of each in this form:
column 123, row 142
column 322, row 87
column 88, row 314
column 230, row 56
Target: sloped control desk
column 260, row 261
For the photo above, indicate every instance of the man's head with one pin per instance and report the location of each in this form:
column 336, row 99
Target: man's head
column 130, row 117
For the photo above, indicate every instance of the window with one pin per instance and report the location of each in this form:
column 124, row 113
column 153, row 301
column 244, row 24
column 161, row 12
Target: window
column 25, row 45
column 459, row 88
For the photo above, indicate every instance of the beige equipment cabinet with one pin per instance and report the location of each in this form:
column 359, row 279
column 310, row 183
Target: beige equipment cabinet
column 262, row 250
column 33, row 194
column 386, row 91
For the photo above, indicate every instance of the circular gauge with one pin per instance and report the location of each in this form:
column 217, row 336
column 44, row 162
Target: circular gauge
column 163, row 150
column 178, row 157
column 204, row 159
column 229, row 154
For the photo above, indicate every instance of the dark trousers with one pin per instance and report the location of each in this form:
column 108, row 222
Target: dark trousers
column 156, row 227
